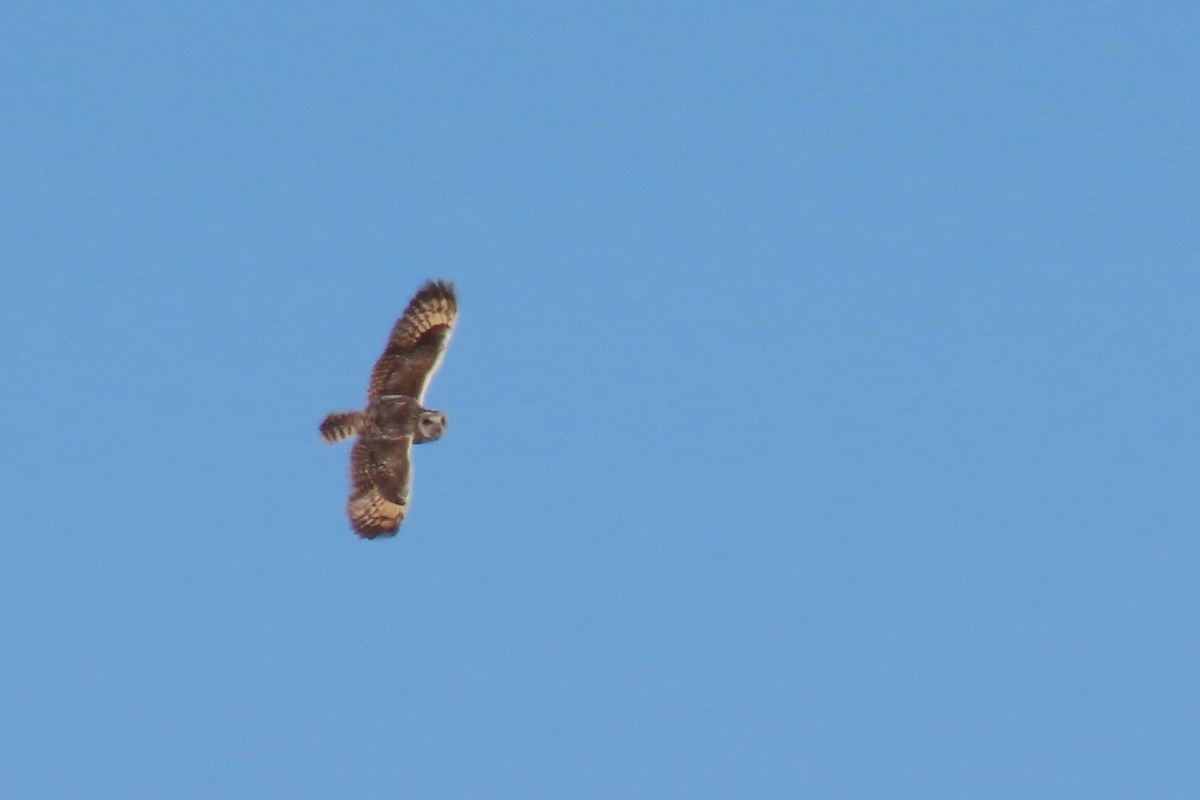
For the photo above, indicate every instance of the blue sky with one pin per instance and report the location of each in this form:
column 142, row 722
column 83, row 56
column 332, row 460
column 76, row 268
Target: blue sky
column 822, row 411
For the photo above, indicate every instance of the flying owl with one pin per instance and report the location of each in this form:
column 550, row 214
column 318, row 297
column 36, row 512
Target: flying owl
column 395, row 419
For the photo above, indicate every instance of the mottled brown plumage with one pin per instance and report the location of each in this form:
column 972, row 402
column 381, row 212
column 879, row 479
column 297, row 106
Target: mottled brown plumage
column 394, row 419
column 418, row 341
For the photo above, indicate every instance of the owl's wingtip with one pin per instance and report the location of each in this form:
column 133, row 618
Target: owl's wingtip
column 437, row 287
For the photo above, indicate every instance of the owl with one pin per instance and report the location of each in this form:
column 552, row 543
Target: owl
column 395, row 419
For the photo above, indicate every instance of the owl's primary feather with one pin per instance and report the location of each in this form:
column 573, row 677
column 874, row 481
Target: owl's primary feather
column 394, row 419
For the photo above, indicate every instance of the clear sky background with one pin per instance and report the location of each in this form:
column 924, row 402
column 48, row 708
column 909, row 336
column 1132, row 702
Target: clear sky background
column 823, row 411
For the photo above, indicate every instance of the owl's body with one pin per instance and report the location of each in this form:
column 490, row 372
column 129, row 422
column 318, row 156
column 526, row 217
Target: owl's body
column 395, row 419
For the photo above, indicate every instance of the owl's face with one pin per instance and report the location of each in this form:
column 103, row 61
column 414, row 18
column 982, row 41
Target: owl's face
column 430, row 426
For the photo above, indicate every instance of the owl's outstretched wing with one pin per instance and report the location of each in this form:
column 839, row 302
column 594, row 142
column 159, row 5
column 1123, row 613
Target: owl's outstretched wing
column 414, row 350
column 380, row 476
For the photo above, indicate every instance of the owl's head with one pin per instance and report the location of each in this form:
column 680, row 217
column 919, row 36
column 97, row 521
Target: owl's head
column 430, row 426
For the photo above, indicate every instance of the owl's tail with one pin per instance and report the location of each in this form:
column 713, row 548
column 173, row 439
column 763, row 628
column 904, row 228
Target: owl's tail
column 341, row 424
